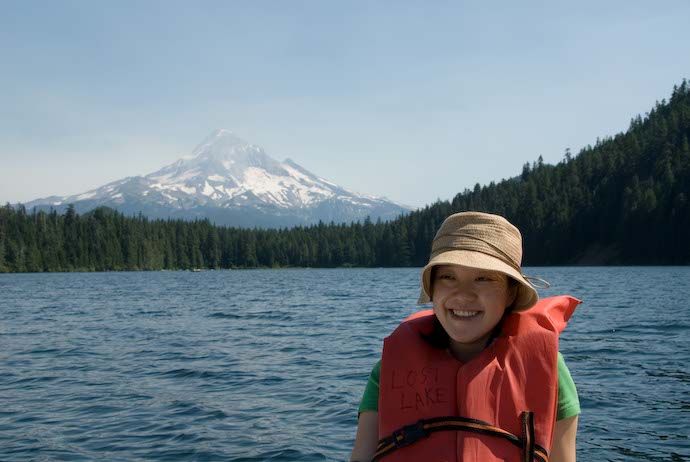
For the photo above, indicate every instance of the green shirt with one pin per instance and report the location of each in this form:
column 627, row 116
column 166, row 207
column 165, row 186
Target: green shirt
column 568, row 401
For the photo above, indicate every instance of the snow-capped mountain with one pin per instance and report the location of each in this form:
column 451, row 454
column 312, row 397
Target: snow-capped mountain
column 231, row 182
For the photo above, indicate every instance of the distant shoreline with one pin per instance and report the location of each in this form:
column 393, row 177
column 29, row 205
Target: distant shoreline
column 204, row 270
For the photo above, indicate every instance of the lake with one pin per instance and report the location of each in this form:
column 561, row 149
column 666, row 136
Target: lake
column 270, row 365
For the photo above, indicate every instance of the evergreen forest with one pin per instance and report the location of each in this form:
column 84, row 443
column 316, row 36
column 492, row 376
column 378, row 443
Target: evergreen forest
column 625, row 200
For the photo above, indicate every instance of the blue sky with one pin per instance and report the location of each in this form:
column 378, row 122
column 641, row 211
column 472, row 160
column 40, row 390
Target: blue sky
column 410, row 100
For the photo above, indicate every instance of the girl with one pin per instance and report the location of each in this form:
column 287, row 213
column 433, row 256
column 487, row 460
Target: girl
column 480, row 377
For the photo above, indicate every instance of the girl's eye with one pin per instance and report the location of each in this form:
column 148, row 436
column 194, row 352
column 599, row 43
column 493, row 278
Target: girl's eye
column 445, row 276
column 484, row 279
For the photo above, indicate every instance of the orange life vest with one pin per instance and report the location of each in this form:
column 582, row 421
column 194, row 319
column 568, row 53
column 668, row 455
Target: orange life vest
column 517, row 373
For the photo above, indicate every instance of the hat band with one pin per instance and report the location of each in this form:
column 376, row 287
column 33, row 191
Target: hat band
column 474, row 244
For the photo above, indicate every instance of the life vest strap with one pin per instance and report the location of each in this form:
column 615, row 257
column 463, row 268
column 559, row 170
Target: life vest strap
column 408, row 434
column 528, row 444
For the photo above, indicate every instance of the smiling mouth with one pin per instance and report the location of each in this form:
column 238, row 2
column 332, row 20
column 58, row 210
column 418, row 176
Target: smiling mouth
column 461, row 314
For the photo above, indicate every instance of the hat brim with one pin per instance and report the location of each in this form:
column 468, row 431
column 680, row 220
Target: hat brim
column 527, row 295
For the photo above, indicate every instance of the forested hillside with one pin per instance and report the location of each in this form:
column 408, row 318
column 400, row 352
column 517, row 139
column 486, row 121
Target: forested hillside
column 624, row 200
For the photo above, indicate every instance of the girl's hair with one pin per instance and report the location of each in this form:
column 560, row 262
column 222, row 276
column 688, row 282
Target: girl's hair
column 438, row 337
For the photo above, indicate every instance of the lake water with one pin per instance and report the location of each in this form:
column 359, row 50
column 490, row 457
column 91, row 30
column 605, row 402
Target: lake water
column 270, row 364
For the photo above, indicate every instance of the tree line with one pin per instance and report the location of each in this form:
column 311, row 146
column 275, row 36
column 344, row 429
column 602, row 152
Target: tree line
column 625, row 200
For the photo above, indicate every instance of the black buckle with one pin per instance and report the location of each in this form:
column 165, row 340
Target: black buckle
column 409, row 434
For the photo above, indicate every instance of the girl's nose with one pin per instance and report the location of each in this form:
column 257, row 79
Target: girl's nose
column 462, row 292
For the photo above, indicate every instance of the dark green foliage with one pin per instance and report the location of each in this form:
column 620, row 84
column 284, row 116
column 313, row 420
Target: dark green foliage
column 104, row 240
column 625, row 200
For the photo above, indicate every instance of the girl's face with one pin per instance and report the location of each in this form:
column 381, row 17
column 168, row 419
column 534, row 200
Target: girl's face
column 469, row 303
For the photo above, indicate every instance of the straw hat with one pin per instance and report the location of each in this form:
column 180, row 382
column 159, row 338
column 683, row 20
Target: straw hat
column 484, row 241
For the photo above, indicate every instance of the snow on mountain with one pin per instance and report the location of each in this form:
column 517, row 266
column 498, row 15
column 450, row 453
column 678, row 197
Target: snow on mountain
column 234, row 183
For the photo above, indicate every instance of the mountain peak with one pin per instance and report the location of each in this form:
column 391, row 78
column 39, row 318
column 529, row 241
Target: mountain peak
column 227, row 136
column 223, row 144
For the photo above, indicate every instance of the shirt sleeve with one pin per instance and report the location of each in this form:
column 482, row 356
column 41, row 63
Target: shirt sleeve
column 370, row 400
column 568, row 401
